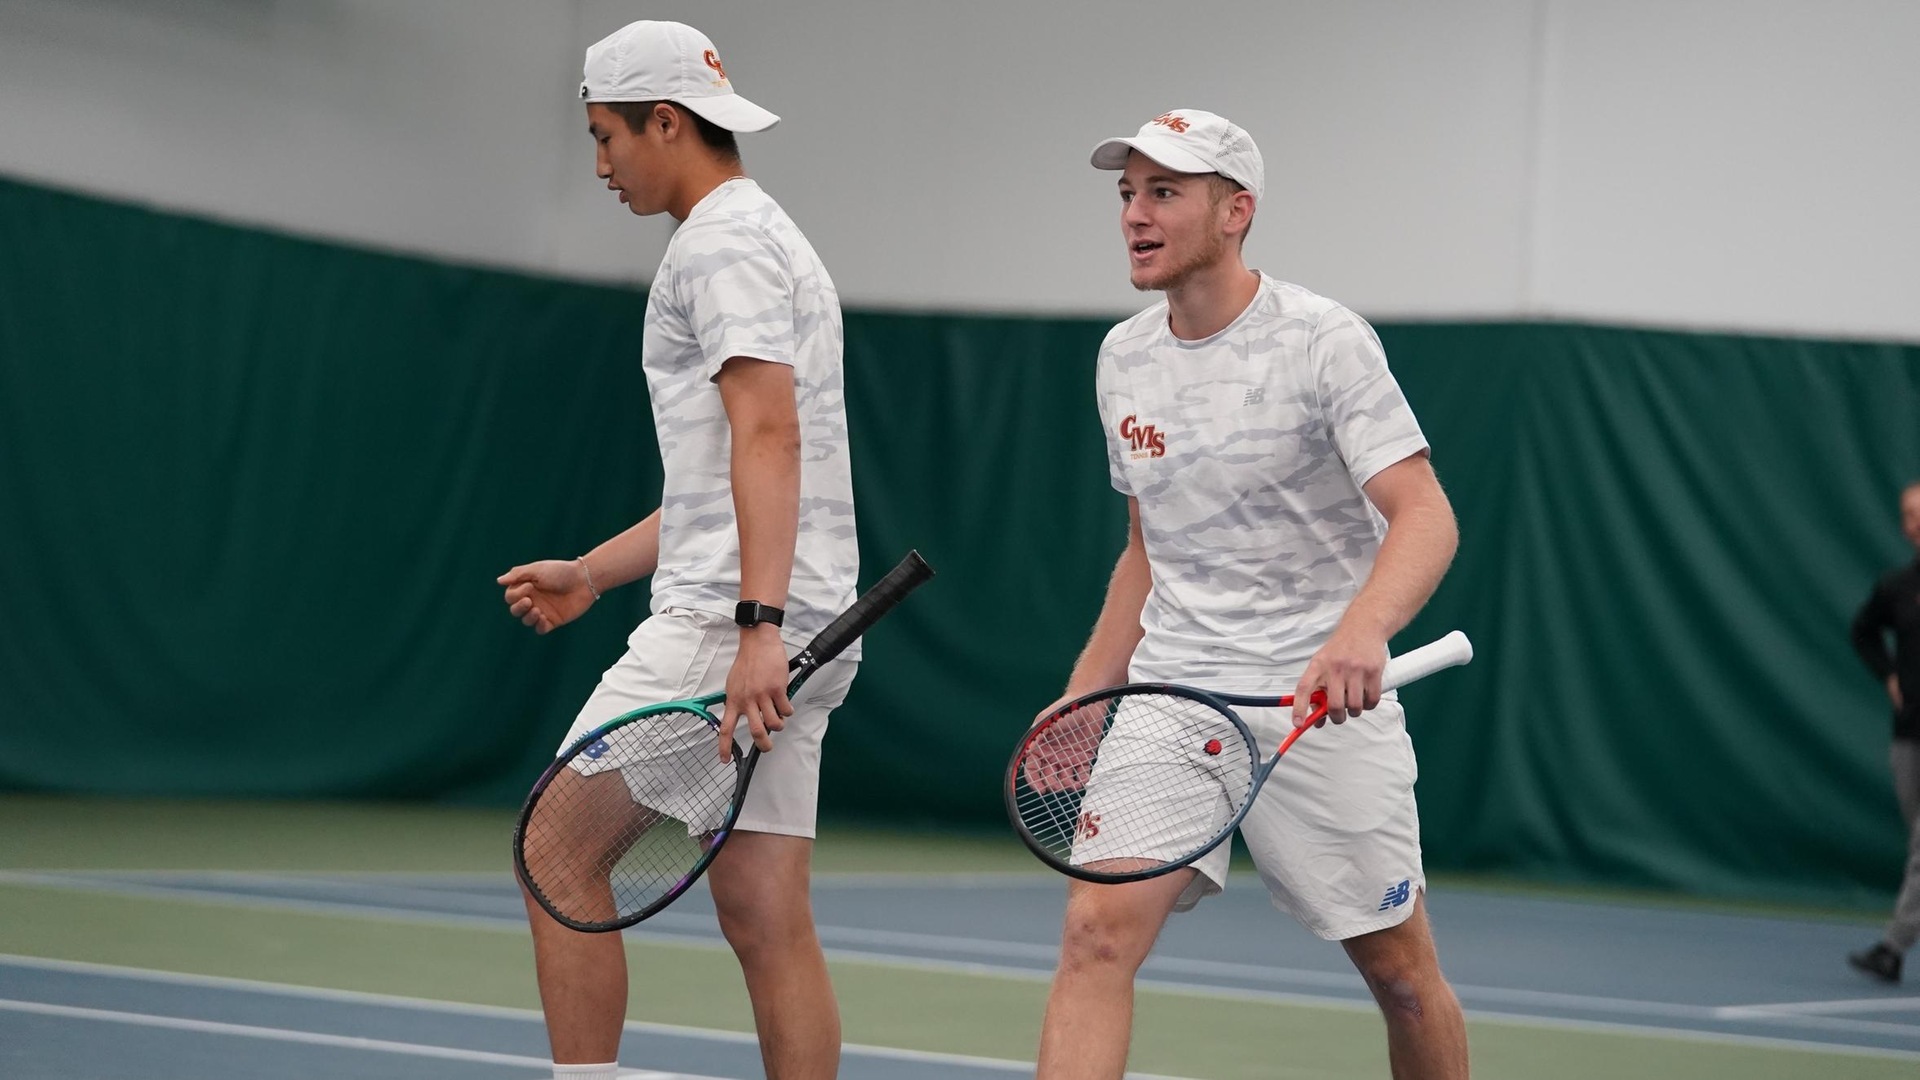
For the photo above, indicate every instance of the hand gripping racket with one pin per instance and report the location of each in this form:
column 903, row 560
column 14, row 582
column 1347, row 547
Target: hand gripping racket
column 631, row 814
column 1135, row 781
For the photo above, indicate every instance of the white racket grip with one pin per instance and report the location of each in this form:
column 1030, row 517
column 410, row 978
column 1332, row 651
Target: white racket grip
column 1450, row 651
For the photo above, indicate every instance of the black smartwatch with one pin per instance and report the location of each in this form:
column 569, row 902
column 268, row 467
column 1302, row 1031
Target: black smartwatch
column 753, row 613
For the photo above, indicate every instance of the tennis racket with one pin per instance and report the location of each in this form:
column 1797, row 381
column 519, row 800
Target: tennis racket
column 1135, row 781
column 631, row 814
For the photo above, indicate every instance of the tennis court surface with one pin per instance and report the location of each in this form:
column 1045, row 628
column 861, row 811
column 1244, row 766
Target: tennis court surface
column 160, row 941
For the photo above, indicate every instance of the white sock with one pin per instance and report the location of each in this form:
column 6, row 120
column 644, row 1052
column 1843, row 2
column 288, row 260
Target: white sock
column 609, row 1071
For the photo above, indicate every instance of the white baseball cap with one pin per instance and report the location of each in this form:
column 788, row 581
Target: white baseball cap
column 1192, row 141
column 654, row 60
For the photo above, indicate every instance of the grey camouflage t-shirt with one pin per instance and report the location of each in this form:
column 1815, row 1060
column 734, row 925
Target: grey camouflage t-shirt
column 1247, row 452
column 739, row 279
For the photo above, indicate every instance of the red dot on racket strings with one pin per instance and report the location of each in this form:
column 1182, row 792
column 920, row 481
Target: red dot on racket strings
column 1213, row 746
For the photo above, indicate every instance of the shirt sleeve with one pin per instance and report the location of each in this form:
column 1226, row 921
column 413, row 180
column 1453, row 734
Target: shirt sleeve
column 738, row 289
column 1367, row 416
column 1109, row 424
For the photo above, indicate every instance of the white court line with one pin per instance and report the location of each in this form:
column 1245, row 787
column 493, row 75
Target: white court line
column 707, row 937
column 456, row 1008
column 499, row 1012
column 1038, row 877
column 311, row 1038
column 1834, row 1023
column 1262, row 973
column 1885, row 1004
column 1721, row 1038
column 259, row 903
column 1172, row 965
column 703, row 934
column 699, row 931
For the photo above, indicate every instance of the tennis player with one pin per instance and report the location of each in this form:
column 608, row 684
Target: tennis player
column 1284, row 523
column 752, row 551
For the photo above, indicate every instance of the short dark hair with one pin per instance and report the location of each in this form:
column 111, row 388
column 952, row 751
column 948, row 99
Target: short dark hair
column 715, row 137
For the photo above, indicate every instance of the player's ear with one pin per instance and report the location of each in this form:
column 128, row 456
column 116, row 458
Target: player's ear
column 1240, row 214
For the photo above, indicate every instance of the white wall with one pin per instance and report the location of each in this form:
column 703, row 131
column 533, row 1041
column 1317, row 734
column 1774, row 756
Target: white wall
column 1751, row 163
column 1721, row 163
column 428, row 125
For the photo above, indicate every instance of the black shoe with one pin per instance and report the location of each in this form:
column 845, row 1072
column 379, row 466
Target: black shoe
column 1880, row 962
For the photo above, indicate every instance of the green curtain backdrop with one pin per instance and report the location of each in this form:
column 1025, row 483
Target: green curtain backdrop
column 254, row 492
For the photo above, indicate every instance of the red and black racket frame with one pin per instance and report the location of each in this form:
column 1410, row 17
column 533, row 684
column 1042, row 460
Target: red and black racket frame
column 1219, row 702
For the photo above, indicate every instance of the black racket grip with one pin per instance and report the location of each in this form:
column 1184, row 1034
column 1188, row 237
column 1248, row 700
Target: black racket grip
column 912, row 573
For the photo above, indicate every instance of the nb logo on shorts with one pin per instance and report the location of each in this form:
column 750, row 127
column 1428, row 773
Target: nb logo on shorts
column 598, row 748
column 1255, row 396
column 1397, row 895
column 1089, row 826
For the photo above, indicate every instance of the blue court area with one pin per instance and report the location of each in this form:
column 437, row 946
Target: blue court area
column 1770, row 982
column 61, row 1019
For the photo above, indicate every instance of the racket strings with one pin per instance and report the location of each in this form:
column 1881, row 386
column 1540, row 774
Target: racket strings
column 624, row 823
column 1131, row 784
column 1050, row 779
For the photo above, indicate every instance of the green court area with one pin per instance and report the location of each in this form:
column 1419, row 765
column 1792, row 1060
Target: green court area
column 46, row 832
column 885, row 1001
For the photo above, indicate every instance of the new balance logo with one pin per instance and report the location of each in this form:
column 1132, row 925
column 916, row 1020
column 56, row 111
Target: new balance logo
column 1255, row 396
column 1397, row 895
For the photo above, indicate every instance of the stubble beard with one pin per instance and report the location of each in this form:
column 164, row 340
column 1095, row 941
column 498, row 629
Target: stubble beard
column 1172, row 278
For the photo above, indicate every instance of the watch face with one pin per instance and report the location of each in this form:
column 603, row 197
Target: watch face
column 753, row 613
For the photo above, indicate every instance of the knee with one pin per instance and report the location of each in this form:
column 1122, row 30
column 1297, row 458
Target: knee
column 1095, row 941
column 754, row 927
column 739, row 921
column 1403, row 990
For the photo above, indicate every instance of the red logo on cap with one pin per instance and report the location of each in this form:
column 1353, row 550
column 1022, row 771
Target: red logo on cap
column 1172, row 120
column 713, row 61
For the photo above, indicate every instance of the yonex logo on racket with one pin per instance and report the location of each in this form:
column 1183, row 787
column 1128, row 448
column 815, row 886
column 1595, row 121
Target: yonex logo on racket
column 1089, row 826
column 1145, row 439
column 1171, row 120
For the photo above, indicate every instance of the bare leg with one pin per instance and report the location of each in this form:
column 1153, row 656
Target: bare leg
column 1109, row 931
column 583, row 977
column 583, row 989
column 1426, row 1033
column 760, row 883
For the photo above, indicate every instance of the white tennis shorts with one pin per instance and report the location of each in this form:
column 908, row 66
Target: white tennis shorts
column 1334, row 833
column 681, row 653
